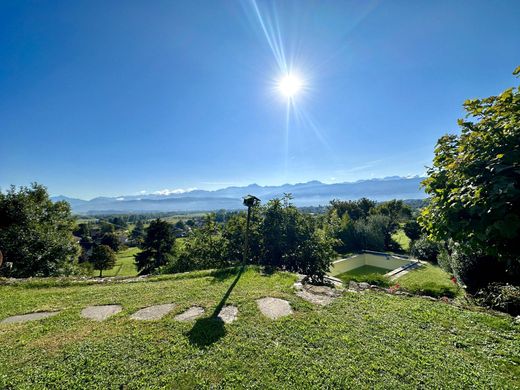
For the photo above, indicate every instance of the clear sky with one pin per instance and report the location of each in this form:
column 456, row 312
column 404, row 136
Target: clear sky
column 117, row 97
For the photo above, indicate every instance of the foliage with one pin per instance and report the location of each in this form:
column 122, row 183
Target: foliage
column 474, row 186
column 138, row 234
column 372, row 278
column 205, row 248
column 234, row 233
column 36, row 234
column 111, row 240
column 157, row 247
column 503, row 297
column 425, row 249
column 363, row 224
column 412, row 229
column 103, row 258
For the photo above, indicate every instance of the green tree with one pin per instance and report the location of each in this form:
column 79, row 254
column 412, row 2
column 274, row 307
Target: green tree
column 138, row 233
column 474, row 185
column 413, row 230
column 103, row 258
column 112, row 240
column 36, row 234
column 158, row 247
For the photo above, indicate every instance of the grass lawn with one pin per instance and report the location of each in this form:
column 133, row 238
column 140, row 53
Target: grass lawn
column 430, row 280
column 366, row 273
column 402, row 239
column 369, row 340
column 125, row 264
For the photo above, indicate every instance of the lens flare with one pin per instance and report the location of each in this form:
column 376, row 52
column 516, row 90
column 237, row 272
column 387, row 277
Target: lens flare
column 290, row 85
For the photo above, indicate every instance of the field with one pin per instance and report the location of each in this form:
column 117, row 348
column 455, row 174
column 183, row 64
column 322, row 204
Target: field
column 402, row 239
column 361, row 340
column 125, row 264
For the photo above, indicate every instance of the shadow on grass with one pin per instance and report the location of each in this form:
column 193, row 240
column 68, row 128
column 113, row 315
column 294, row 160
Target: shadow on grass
column 209, row 330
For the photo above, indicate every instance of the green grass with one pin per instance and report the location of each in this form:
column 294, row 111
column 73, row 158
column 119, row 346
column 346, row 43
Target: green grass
column 429, row 280
column 366, row 273
column 125, row 265
column 369, row 340
column 402, row 239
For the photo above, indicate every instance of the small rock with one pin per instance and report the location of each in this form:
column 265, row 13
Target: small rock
column 353, row 285
column 364, row 285
column 428, row 297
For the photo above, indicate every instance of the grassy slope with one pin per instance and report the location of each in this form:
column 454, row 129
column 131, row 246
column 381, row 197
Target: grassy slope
column 402, row 239
column 428, row 278
column 125, row 264
column 361, row 340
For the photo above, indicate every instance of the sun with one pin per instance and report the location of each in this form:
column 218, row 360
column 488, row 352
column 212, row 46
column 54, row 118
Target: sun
column 290, row 85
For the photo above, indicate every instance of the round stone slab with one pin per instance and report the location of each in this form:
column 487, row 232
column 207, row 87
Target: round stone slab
column 190, row 314
column 274, row 308
column 100, row 313
column 228, row 314
column 29, row 317
column 153, row 312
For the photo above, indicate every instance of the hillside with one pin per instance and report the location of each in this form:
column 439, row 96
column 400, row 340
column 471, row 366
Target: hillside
column 313, row 193
column 365, row 339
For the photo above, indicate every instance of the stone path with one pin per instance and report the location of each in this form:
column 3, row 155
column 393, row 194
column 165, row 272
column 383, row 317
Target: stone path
column 274, row 308
column 191, row 314
column 29, row 317
column 153, row 312
column 228, row 314
column 100, row 313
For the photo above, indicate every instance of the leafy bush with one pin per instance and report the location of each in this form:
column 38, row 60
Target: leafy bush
column 503, row 297
column 433, row 289
column 425, row 249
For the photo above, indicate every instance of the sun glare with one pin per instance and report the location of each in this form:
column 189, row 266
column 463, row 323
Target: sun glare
column 290, row 85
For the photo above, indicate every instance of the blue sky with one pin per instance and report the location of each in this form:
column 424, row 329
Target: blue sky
column 111, row 97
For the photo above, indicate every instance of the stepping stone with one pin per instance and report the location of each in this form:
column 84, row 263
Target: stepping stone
column 318, row 295
column 228, row 314
column 153, row 312
column 274, row 308
column 100, row 313
column 190, row 314
column 29, row 317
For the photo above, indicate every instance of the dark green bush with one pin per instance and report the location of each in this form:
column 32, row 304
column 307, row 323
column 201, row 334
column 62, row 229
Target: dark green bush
column 502, row 297
column 425, row 249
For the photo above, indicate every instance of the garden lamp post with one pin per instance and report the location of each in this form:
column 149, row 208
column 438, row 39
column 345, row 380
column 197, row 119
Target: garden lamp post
column 249, row 201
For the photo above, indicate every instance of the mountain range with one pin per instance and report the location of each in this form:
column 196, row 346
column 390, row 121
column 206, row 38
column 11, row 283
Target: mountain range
column 312, row 193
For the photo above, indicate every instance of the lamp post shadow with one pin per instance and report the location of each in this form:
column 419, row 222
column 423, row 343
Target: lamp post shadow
column 209, row 330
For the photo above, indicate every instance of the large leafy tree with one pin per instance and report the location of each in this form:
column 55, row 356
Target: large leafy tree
column 474, row 183
column 158, row 247
column 103, row 258
column 35, row 233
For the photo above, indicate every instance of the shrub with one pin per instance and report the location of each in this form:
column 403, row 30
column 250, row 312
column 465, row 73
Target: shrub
column 503, row 297
column 425, row 249
column 373, row 278
column 433, row 289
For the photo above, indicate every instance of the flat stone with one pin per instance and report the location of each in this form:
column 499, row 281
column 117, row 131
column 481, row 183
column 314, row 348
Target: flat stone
column 29, row 317
column 228, row 314
column 364, row 285
column 274, row 308
column 100, row 313
column 353, row 285
column 190, row 314
column 153, row 312
column 316, row 299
